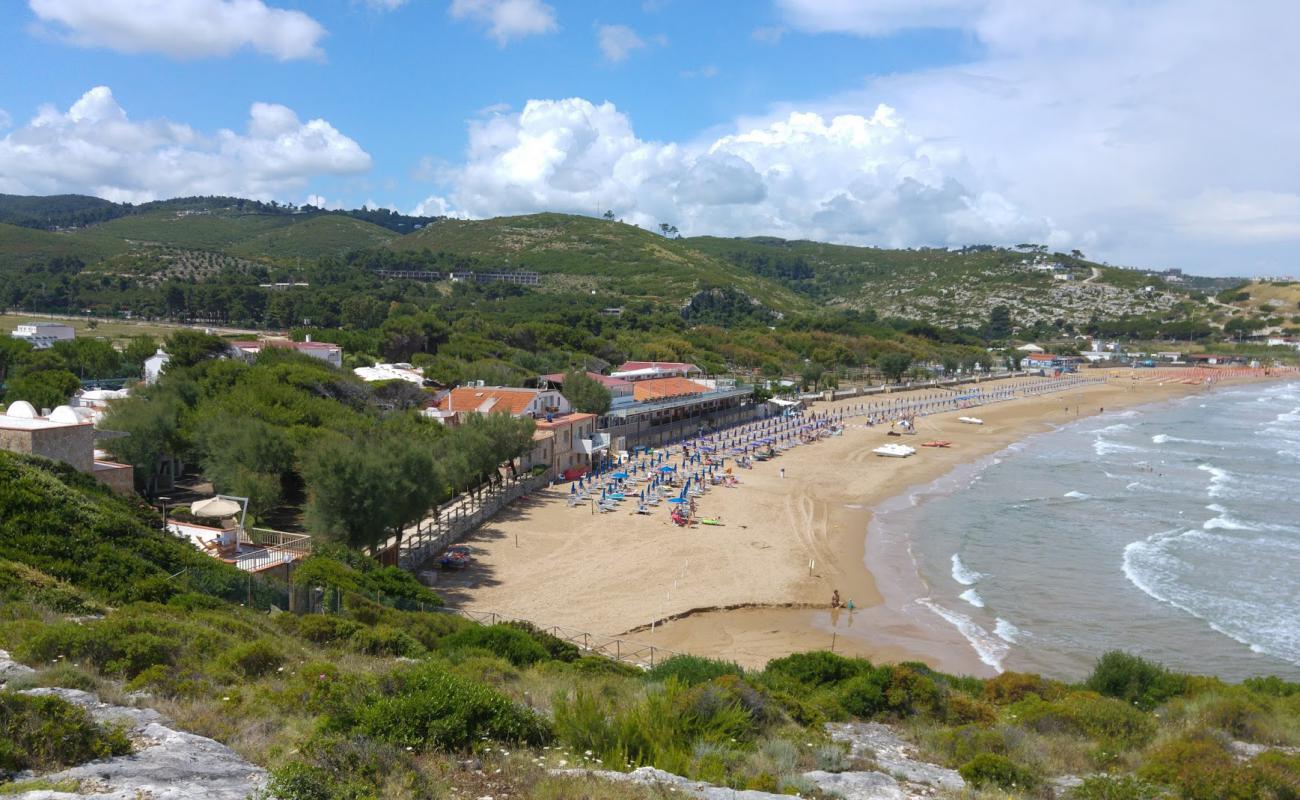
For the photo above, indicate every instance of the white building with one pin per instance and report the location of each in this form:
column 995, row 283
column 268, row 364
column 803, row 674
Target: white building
column 331, row 354
column 390, row 372
column 154, row 364
column 42, row 335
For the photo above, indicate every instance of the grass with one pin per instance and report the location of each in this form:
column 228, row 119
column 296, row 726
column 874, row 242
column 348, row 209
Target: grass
column 113, row 330
column 314, row 237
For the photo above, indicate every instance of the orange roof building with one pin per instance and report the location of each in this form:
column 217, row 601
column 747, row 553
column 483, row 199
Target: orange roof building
column 661, row 388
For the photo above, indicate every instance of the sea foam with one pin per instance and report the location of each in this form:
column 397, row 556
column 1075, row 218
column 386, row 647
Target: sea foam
column 973, row 597
column 963, row 575
column 990, row 649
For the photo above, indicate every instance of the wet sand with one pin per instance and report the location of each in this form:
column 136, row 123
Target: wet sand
column 785, row 544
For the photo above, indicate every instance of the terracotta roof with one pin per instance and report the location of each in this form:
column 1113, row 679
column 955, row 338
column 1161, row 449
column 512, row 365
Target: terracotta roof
column 1040, row 357
column 632, row 366
column 603, row 380
column 282, row 343
column 489, row 399
column 567, row 419
column 659, row 388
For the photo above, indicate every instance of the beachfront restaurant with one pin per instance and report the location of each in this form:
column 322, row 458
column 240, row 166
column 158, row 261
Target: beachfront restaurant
column 669, row 409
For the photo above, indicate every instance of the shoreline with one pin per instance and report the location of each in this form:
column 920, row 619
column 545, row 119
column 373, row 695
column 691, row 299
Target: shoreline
column 758, row 586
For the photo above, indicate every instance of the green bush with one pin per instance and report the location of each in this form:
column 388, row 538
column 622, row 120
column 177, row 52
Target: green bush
column 1114, row 722
column 385, row 640
column 864, row 695
column 254, row 659
column 992, row 770
column 429, row 708
column 1114, row 787
column 510, row 643
column 339, row 768
column 1135, row 680
column 692, row 670
column 959, row 745
column 319, row 628
column 556, row 648
column 817, row 668
column 46, row 733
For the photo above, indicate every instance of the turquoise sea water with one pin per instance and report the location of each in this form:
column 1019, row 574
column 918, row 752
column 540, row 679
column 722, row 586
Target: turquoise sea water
column 1171, row 530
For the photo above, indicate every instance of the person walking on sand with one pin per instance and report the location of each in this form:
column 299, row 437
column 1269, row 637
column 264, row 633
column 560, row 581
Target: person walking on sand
column 783, row 473
column 835, row 599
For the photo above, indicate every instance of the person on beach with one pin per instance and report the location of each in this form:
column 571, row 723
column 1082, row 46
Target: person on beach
column 783, row 473
column 835, row 599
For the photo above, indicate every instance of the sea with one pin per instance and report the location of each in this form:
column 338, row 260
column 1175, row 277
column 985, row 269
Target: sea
column 1171, row 531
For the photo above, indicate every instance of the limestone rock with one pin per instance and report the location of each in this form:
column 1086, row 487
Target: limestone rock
column 167, row 764
column 649, row 776
column 12, row 670
column 893, row 755
column 859, row 785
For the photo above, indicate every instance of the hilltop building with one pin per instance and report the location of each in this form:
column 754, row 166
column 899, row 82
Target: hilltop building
column 331, row 354
column 646, row 370
column 400, row 371
column 43, row 335
column 65, row 435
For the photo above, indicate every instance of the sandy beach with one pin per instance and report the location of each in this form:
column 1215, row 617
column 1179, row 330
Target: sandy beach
column 759, row 585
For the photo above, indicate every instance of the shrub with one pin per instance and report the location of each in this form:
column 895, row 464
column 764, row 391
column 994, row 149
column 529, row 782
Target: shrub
column 41, row 732
column 512, row 644
column 991, row 770
column 385, row 640
column 1135, row 680
column 1114, row 787
column 817, row 668
column 961, row 708
column 556, row 648
column 960, row 745
column 692, row 670
column 1200, row 767
column 910, row 692
column 320, row 628
column 338, row 768
column 864, row 695
column 254, row 659
column 1086, row 714
column 431, row 708
column 1011, row 687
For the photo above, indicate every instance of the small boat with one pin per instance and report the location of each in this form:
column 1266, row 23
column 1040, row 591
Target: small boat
column 894, row 451
column 937, row 443
column 971, row 420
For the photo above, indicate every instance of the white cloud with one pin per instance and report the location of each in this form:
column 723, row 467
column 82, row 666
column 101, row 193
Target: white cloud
column 183, row 29
column 854, row 178
column 771, row 34
column 880, row 17
column 385, row 5
column 5, row 119
column 617, row 42
column 95, row 148
column 1159, row 133
column 707, row 71
column 507, row 19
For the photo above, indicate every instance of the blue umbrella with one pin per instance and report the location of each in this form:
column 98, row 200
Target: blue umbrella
column 622, row 476
column 573, row 489
column 677, row 500
column 668, row 468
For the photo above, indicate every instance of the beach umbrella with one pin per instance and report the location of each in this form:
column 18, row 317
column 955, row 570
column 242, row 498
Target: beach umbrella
column 573, row 489
column 667, row 468
column 677, row 500
column 622, row 476
column 215, row 507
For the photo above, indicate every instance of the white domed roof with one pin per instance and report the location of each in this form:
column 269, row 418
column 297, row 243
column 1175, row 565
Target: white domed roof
column 66, row 415
column 21, row 409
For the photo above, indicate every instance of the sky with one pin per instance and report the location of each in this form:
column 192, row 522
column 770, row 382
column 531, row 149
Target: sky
column 1153, row 133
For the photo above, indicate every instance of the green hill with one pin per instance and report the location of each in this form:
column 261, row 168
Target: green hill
column 945, row 286
column 314, row 237
column 20, row 246
column 595, row 252
column 57, row 211
column 191, row 229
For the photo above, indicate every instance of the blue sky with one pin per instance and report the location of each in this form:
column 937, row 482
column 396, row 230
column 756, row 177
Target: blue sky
column 1154, row 134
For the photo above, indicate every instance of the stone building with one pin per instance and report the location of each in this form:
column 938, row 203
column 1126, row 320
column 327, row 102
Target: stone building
column 62, row 436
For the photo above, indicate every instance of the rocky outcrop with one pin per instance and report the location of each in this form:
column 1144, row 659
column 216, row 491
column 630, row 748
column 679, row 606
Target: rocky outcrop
column 899, row 777
column 11, row 670
column 167, row 764
column 875, row 742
